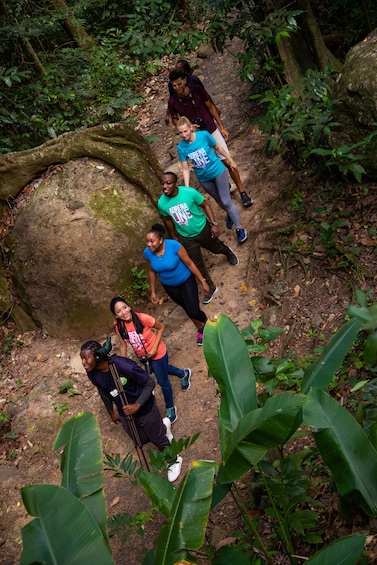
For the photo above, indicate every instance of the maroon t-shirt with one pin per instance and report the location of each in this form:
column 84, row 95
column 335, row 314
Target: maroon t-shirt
column 192, row 106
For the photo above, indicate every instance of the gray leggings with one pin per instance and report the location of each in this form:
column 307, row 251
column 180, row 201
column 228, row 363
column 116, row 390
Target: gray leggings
column 218, row 188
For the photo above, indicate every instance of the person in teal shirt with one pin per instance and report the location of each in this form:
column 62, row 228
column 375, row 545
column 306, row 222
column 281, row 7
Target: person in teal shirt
column 197, row 147
column 190, row 220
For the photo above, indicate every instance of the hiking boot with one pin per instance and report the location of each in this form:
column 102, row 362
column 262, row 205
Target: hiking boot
column 232, row 258
column 172, row 414
column 167, row 424
column 199, row 339
column 209, row 295
column 175, row 470
column 241, row 235
column 186, row 380
column 246, row 200
column 228, row 222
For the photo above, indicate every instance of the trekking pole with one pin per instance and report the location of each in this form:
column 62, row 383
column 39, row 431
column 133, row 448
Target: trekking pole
column 131, row 422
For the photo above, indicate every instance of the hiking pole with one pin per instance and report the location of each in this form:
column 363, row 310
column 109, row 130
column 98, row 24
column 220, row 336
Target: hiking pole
column 130, row 420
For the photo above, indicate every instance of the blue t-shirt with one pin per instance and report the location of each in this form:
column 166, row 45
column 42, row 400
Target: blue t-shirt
column 206, row 164
column 169, row 266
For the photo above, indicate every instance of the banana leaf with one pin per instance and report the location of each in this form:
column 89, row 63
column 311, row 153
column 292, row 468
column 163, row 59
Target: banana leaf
column 81, row 464
column 63, row 532
column 344, row 551
column 230, row 365
column 159, row 490
column 345, row 448
column 186, row 525
column 257, row 432
column 320, row 373
column 230, row 555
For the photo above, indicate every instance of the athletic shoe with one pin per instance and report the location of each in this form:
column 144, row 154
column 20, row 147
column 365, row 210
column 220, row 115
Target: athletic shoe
column 172, row 414
column 209, row 295
column 175, row 470
column 228, row 222
column 167, row 424
column 186, row 380
column 232, row 258
column 246, row 200
column 241, row 235
column 199, row 339
column 232, row 188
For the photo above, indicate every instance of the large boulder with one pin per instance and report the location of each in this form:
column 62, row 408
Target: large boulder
column 356, row 88
column 73, row 246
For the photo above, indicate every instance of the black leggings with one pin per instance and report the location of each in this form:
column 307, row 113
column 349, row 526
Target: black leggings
column 186, row 295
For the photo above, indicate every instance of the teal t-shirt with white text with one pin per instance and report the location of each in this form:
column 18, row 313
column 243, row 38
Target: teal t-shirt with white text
column 185, row 211
column 207, row 166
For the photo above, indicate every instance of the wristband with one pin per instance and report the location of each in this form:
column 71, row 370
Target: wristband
column 213, row 224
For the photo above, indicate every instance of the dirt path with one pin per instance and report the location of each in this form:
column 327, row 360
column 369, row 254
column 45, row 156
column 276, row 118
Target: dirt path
column 258, row 286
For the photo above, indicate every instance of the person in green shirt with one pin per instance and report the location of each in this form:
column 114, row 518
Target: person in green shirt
column 190, row 220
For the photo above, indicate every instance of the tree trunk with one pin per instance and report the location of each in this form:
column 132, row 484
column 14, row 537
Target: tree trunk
column 73, row 26
column 25, row 42
column 304, row 49
column 116, row 144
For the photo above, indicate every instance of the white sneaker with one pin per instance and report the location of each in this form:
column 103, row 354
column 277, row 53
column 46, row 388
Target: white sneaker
column 167, row 423
column 175, row 470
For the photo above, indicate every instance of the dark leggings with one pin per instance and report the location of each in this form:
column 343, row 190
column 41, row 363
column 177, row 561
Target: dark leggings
column 186, row 295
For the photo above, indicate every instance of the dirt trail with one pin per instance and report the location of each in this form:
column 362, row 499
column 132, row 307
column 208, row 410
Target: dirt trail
column 35, row 369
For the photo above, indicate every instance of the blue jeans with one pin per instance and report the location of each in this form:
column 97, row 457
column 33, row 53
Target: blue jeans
column 162, row 370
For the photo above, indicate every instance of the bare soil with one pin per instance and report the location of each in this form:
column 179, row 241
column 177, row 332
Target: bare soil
column 297, row 292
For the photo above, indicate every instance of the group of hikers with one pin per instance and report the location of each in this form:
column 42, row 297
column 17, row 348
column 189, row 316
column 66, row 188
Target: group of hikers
column 178, row 263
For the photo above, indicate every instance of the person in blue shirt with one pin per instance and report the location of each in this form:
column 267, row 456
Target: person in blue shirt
column 169, row 260
column 197, row 147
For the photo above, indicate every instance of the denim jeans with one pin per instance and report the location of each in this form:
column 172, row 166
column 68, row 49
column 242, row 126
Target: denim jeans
column 162, row 370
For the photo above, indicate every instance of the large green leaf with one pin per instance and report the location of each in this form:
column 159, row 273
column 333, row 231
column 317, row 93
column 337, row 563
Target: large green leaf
column 185, row 528
column 82, row 464
column 159, row 490
column 81, row 461
column 231, row 555
column 344, row 551
column 320, row 373
column 229, row 364
column 257, row 432
column 63, row 532
column 345, row 448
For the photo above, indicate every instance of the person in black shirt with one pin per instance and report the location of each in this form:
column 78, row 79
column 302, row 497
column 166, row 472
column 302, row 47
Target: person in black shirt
column 140, row 404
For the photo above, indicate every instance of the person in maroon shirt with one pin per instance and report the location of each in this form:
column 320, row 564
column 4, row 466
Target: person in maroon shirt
column 195, row 103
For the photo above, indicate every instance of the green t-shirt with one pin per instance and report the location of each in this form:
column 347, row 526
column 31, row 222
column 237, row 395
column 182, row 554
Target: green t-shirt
column 185, row 211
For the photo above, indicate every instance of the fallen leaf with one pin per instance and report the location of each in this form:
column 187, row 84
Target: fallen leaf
column 243, row 287
column 368, row 241
column 297, row 290
column 252, row 302
column 115, row 501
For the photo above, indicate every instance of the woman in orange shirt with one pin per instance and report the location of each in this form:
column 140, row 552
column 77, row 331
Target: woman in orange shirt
column 136, row 329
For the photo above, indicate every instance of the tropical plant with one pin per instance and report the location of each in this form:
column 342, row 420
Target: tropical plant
column 70, row 520
column 247, row 433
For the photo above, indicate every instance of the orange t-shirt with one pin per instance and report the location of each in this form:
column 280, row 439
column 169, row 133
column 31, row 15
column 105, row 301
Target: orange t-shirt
column 145, row 341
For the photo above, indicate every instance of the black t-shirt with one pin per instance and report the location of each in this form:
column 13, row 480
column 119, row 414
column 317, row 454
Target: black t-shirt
column 133, row 379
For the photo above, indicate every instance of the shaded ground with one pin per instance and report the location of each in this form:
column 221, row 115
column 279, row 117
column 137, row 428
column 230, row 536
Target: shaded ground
column 292, row 289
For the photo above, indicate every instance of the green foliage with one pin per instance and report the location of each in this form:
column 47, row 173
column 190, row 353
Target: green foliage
column 5, row 417
column 60, row 407
column 82, row 86
column 68, row 388
column 340, row 440
column 70, row 520
column 136, row 290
